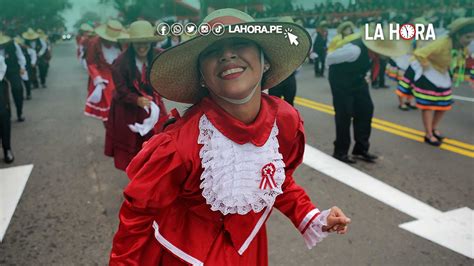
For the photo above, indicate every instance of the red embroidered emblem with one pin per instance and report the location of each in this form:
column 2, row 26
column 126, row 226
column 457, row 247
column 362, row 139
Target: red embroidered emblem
column 268, row 172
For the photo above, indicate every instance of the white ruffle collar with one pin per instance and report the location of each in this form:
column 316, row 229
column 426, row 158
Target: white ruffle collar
column 239, row 178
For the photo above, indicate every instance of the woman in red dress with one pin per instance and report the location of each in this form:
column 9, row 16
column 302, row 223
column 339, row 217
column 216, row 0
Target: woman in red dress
column 201, row 191
column 102, row 50
column 133, row 97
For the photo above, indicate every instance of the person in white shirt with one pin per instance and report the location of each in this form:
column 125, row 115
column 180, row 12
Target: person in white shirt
column 16, row 63
column 30, row 56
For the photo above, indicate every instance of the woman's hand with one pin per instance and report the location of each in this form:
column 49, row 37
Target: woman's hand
column 143, row 102
column 337, row 221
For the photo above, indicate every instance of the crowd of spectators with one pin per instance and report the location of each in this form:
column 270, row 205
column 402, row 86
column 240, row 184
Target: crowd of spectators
column 438, row 12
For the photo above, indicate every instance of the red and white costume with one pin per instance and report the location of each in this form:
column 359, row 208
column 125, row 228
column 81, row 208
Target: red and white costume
column 201, row 192
column 99, row 61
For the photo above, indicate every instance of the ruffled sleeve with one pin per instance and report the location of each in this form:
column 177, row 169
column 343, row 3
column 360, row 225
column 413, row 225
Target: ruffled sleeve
column 156, row 174
column 295, row 202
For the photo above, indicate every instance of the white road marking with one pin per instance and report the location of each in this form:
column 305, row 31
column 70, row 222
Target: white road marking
column 457, row 238
column 450, row 229
column 462, row 98
column 12, row 183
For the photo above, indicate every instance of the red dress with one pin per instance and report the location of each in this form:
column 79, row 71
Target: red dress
column 184, row 205
column 120, row 142
column 98, row 69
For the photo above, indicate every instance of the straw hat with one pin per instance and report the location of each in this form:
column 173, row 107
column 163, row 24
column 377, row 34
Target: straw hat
column 175, row 75
column 344, row 25
column 4, row 38
column 111, row 31
column 30, row 35
column 19, row 40
column 86, row 27
column 387, row 47
column 141, row 31
column 459, row 23
column 42, row 34
column 323, row 24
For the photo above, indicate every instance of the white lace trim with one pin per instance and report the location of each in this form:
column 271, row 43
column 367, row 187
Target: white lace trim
column 233, row 173
column 314, row 234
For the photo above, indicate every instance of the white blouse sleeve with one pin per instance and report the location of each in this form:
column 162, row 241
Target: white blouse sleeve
column 33, row 56
column 20, row 56
column 3, row 67
column 346, row 54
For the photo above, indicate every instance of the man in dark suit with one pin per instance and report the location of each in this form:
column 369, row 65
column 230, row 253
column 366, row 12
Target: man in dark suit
column 320, row 48
column 5, row 123
column 16, row 66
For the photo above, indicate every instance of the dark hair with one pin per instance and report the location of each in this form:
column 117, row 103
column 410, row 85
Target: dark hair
column 131, row 56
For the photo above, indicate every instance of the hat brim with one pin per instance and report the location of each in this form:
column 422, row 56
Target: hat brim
column 458, row 25
column 101, row 31
column 174, row 73
column 4, row 40
column 29, row 37
column 398, row 48
column 344, row 25
column 142, row 39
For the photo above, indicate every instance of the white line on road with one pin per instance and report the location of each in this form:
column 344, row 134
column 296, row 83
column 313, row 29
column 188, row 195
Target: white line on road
column 12, row 183
column 457, row 238
column 462, row 98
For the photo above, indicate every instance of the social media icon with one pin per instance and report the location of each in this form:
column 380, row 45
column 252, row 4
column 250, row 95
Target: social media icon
column 218, row 29
column 190, row 28
column 204, row 29
column 163, row 29
column 177, row 29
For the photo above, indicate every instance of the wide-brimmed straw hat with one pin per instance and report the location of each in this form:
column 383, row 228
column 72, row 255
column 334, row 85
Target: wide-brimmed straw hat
column 111, row 31
column 19, row 40
column 344, row 25
column 42, row 34
column 459, row 23
column 4, row 38
column 387, row 47
column 30, row 35
column 86, row 27
column 141, row 31
column 175, row 75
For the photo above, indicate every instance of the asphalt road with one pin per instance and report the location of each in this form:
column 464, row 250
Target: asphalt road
column 67, row 214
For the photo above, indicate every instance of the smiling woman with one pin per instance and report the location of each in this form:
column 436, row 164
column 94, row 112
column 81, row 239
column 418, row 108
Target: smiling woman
column 201, row 192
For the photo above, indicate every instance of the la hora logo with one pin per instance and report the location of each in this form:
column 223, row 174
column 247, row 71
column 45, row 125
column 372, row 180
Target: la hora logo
column 406, row 32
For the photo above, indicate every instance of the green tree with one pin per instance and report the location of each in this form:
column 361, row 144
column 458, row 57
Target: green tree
column 17, row 15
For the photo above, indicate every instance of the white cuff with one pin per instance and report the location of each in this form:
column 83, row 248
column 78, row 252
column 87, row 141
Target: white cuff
column 314, row 233
column 99, row 80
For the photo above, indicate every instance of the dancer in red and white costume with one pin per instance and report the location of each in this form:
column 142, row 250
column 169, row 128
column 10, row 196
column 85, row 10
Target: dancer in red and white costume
column 201, row 192
column 101, row 53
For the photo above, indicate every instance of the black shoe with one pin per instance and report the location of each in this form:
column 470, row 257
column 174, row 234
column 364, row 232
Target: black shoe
column 344, row 158
column 411, row 106
column 366, row 156
column 403, row 108
column 384, row 87
column 43, row 86
column 432, row 143
column 35, row 86
column 20, row 119
column 28, row 97
column 9, row 158
column 439, row 137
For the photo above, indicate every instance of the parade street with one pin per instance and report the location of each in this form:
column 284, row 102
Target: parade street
column 412, row 207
